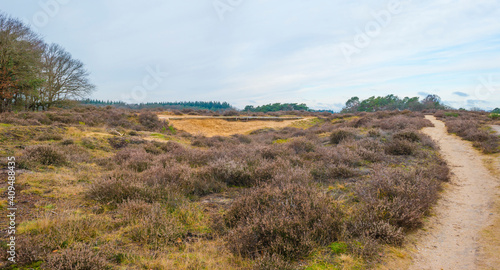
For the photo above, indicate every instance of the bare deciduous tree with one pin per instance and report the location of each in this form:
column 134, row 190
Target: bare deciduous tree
column 65, row 77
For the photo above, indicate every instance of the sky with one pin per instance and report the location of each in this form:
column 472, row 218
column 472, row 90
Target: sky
column 255, row 52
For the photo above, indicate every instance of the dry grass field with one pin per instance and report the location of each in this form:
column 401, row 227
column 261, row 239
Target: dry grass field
column 219, row 127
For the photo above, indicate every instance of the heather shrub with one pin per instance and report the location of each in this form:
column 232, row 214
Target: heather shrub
column 366, row 226
column 340, row 135
column 231, row 172
column 68, row 142
column 436, row 168
column 400, row 122
column 92, row 143
column 409, row 135
column 121, row 186
column 150, row 121
column 231, row 113
column 136, row 159
column 400, row 147
column 331, row 172
column 476, row 135
column 156, row 229
column 79, row 257
column 49, row 137
column 153, row 148
column 342, row 154
column 182, row 179
column 75, row 153
column 490, row 146
column 471, row 131
column 118, row 142
column 45, row 155
column 243, row 138
column 286, row 220
column 171, row 147
column 368, row 149
column 400, row 197
column 272, row 262
column 300, row 146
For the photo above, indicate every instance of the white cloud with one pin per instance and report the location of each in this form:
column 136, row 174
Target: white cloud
column 281, row 50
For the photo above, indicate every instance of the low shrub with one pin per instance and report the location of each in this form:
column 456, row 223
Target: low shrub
column 118, row 142
column 118, row 187
column 155, row 229
column 49, row 137
column 79, row 257
column 286, row 220
column 400, row 147
column 399, row 196
column 231, row 172
column 45, row 155
column 409, row 135
column 68, row 142
column 340, row 135
column 400, row 122
column 150, row 121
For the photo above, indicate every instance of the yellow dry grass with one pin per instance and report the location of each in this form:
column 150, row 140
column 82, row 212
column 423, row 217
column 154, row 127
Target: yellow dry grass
column 213, row 127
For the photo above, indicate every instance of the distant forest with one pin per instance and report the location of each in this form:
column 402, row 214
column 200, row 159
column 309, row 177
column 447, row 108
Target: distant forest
column 275, row 107
column 392, row 102
column 199, row 105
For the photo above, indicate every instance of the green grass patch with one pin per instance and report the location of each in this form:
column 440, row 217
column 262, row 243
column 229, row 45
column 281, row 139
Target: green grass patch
column 451, row 114
column 280, row 141
column 338, row 247
column 494, row 116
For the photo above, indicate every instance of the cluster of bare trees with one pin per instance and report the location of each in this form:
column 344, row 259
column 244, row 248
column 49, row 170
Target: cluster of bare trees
column 35, row 75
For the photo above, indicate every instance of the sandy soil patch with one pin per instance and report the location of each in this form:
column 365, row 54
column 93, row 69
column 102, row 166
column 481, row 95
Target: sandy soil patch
column 213, row 127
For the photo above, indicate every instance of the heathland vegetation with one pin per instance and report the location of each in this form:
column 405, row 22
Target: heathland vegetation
column 105, row 188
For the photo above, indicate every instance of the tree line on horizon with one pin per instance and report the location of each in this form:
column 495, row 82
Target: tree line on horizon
column 177, row 105
column 275, row 107
column 393, row 102
column 35, row 75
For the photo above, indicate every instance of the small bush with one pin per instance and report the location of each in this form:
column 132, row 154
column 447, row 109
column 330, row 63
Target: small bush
column 287, row 220
column 49, row 137
column 301, row 146
column 340, row 135
column 45, row 155
column 231, row 172
column 79, row 257
column 231, row 113
column 150, row 121
column 68, row 142
column 118, row 142
column 409, row 135
column 398, row 196
column 155, row 229
column 400, row 147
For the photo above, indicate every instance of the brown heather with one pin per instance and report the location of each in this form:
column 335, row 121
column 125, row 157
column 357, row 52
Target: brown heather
column 269, row 200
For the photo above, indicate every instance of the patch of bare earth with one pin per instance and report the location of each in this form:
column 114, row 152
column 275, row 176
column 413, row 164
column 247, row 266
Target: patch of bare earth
column 463, row 232
column 496, row 128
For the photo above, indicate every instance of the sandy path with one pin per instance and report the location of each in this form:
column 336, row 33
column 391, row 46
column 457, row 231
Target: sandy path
column 450, row 240
column 496, row 128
